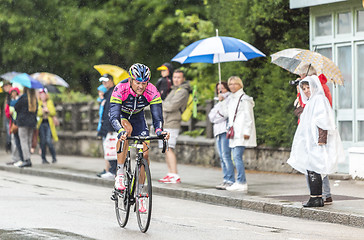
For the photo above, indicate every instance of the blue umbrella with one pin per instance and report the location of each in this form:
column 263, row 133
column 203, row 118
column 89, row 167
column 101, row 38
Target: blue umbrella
column 216, row 50
column 26, row 80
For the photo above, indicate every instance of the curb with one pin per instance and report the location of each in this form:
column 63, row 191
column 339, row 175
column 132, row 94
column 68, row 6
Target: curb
column 258, row 204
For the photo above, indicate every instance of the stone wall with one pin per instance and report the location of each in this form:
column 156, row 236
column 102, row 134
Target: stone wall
column 195, row 151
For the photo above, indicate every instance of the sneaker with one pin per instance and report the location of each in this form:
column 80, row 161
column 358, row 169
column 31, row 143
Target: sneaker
column 142, row 209
column 26, row 163
column 119, row 182
column 240, row 187
column 224, row 185
column 10, row 163
column 18, row 163
column 100, row 173
column 108, row 175
column 221, row 186
column 164, row 179
column 328, row 201
column 170, row 179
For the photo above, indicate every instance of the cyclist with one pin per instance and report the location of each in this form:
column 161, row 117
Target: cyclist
column 126, row 114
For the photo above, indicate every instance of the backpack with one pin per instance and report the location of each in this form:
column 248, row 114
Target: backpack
column 191, row 107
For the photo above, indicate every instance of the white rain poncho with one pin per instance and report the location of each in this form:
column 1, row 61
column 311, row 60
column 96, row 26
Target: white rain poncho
column 306, row 154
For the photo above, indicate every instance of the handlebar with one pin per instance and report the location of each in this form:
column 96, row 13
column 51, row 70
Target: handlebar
column 143, row 139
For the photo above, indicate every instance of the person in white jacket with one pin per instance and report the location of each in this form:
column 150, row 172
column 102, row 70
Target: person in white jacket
column 222, row 143
column 244, row 128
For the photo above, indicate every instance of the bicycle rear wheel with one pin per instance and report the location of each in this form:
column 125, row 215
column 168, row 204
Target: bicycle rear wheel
column 122, row 204
column 143, row 196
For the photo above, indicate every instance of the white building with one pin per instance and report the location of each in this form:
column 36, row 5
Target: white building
column 337, row 31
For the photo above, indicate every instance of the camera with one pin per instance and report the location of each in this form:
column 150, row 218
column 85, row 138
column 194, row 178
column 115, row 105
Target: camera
column 295, row 82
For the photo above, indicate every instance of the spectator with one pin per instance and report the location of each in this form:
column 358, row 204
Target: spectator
column 239, row 110
column 164, row 83
column 26, row 109
column 316, row 145
column 6, row 120
column 47, row 129
column 16, row 152
column 222, row 143
column 173, row 106
column 308, row 70
column 101, row 99
column 106, row 127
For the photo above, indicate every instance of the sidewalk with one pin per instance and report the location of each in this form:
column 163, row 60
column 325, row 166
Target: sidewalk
column 273, row 193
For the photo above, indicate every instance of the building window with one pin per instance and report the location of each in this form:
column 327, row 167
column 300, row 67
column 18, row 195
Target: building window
column 323, row 26
column 344, row 23
column 327, row 52
column 360, row 64
column 346, row 130
column 344, row 63
column 361, row 130
column 360, row 20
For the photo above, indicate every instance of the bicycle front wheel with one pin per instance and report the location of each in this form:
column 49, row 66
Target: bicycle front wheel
column 143, row 195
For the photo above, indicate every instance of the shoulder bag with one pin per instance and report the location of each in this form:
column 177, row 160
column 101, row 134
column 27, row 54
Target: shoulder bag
column 230, row 132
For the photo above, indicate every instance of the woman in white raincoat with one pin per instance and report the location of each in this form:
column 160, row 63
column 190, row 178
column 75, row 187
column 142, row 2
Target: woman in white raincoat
column 316, row 146
column 244, row 129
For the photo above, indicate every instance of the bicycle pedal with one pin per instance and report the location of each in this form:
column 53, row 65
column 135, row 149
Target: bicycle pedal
column 113, row 197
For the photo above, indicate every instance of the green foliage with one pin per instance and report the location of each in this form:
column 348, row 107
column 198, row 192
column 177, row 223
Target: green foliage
column 68, row 37
column 70, row 96
column 194, row 133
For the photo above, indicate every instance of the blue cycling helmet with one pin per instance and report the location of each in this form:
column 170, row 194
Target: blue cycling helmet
column 139, row 72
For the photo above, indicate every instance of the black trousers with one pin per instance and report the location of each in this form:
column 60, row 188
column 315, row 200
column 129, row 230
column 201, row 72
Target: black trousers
column 315, row 183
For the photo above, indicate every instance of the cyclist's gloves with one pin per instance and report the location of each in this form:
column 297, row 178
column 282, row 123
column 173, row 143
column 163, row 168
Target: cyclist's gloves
column 121, row 132
column 158, row 132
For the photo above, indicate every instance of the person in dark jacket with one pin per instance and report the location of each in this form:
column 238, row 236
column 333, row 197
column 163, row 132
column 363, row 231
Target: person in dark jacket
column 26, row 108
column 106, row 127
column 164, row 84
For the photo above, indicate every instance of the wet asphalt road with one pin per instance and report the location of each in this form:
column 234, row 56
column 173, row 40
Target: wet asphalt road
column 42, row 208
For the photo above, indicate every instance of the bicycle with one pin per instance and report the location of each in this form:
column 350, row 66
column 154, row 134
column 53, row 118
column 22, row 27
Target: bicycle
column 138, row 185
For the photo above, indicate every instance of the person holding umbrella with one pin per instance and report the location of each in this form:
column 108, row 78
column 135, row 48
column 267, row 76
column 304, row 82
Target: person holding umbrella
column 316, row 146
column 222, row 143
column 26, row 108
column 308, row 70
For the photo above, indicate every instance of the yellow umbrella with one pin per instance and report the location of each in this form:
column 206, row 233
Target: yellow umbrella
column 118, row 73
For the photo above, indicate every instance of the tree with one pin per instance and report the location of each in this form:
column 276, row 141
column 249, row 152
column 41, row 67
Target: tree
column 270, row 26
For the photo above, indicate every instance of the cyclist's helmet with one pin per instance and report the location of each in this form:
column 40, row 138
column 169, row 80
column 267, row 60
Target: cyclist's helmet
column 139, row 72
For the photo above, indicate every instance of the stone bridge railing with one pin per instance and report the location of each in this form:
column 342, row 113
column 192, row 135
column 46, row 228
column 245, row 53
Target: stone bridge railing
column 78, row 117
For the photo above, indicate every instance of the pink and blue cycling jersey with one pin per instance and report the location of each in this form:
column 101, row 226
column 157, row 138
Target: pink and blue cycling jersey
column 125, row 103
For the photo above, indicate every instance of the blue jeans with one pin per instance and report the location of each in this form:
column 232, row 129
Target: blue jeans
column 225, row 157
column 326, row 191
column 45, row 138
column 239, row 163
